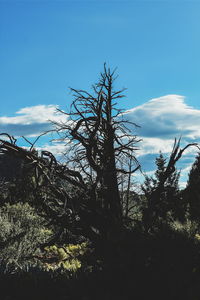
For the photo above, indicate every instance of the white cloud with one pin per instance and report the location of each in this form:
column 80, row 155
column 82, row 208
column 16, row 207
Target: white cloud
column 161, row 120
column 166, row 117
column 34, row 114
column 154, row 145
column 31, row 121
column 57, row 149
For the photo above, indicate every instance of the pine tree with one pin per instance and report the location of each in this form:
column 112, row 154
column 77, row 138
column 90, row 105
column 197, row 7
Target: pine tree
column 166, row 206
column 192, row 191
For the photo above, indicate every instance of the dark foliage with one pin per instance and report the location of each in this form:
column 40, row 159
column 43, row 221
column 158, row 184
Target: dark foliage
column 192, row 192
column 171, row 205
column 162, row 200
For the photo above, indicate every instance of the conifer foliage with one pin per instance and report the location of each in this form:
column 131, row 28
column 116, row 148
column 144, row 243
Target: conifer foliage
column 163, row 201
column 192, row 191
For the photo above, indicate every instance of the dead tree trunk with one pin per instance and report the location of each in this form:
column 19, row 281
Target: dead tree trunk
column 100, row 141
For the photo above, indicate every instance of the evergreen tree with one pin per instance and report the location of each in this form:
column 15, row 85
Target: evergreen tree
column 165, row 205
column 192, row 191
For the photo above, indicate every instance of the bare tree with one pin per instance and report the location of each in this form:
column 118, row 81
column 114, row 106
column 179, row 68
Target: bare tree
column 100, row 140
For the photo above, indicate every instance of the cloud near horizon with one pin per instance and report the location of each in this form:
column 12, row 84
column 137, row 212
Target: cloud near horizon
column 163, row 119
column 166, row 117
column 160, row 120
column 31, row 121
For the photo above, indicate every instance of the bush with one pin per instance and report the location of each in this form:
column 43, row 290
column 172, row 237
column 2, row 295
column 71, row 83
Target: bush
column 67, row 258
column 22, row 232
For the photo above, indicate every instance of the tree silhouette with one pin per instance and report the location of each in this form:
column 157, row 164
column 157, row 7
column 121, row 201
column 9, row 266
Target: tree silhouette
column 162, row 201
column 192, row 191
column 100, row 142
column 167, row 205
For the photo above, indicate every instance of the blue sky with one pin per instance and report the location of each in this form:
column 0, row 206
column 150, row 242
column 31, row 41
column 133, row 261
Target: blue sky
column 48, row 46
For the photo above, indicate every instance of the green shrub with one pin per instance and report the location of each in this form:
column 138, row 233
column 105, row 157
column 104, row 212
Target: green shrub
column 68, row 257
column 22, row 232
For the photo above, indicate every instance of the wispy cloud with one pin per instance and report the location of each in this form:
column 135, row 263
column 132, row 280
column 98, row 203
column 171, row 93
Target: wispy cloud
column 154, row 145
column 31, row 121
column 161, row 120
column 166, row 117
column 58, row 149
